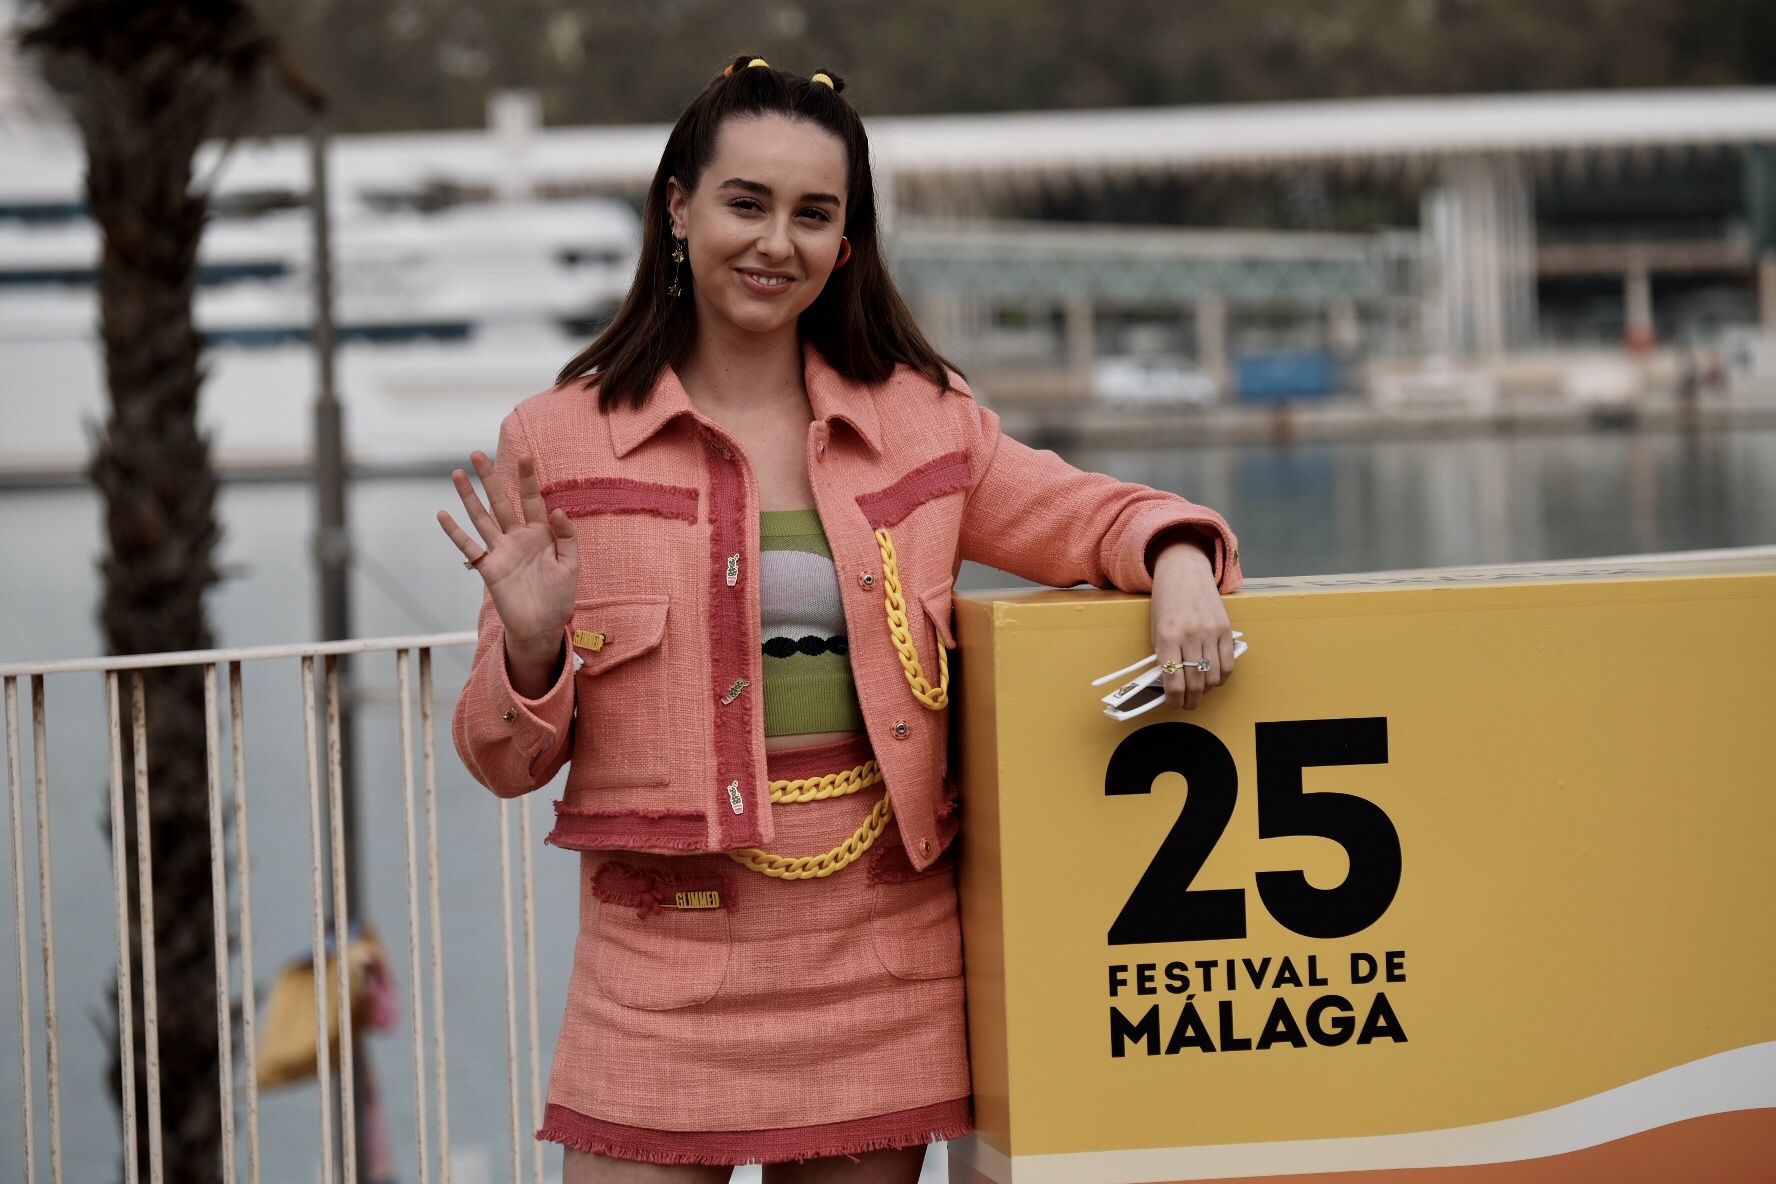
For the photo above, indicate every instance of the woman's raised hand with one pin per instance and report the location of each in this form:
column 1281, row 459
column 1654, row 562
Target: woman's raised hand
column 530, row 567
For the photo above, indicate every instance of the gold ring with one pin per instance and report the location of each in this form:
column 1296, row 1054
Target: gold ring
column 477, row 559
column 1172, row 667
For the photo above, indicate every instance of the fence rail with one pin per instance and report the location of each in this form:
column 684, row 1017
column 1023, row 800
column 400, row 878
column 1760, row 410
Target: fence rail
column 328, row 895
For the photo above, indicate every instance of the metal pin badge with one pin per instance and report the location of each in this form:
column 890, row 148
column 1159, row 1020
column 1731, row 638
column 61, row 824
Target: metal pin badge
column 697, row 900
column 734, row 799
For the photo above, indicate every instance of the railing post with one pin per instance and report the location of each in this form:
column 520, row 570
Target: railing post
column 237, row 718
column 126, row 1026
column 14, row 777
column 219, row 915
column 145, row 920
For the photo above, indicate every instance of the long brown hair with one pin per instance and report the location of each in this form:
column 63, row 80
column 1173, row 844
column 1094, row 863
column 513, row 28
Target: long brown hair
column 859, row 321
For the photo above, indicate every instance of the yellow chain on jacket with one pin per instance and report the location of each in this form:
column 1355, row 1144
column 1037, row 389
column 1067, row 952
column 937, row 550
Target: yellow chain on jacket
column 938, row 697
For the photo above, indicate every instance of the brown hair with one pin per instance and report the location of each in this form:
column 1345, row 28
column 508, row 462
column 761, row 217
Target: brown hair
column 859, row 321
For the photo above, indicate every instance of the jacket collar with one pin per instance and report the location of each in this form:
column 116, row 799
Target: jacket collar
column 831, row 394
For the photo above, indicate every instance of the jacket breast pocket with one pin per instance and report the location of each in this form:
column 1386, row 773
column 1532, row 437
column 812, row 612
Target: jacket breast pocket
column 622, row 687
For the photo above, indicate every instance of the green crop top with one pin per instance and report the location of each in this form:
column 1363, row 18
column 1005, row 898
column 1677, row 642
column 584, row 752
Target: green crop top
column 808, row 684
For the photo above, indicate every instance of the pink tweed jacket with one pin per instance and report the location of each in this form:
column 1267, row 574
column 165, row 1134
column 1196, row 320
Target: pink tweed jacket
column 659, row 710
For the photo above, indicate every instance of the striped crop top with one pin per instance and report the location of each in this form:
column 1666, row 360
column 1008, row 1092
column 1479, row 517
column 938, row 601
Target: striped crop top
column 807, row 663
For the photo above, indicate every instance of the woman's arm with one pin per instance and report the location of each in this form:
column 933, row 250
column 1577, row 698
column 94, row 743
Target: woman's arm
column 1034, row 515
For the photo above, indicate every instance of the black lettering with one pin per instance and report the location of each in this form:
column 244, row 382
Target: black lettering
column 1362, row 828
column 1342, row 1024
column 1281, row 1026
column 1363, row 968
column 1381, row 1021
column 1256, row 970
column 1230, row 1040
column 1396, row 966
column 1287, row 975
column 1190, row 1032
column 1163, row 906
column 1121, row 1031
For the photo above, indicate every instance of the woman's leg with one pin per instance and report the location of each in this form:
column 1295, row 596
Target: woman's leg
column 899, row 1166
column 580, row 1167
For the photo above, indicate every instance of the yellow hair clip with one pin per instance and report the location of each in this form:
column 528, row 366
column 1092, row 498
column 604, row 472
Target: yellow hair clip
column 822, row 78
column 759, row 62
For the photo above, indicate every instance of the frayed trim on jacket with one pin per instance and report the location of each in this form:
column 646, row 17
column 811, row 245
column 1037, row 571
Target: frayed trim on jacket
column 621, row 495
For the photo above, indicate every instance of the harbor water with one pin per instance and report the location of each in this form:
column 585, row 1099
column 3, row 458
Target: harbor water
column 1307, row 508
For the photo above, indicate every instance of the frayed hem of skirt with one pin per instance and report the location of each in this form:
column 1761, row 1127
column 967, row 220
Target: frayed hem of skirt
column 734, row 1148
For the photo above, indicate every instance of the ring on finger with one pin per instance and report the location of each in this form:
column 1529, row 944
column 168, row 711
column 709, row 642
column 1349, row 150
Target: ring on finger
column 477, row 559
column 1202, row 664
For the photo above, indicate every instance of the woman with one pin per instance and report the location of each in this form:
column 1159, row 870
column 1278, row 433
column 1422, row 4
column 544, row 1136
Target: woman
column 718, row 558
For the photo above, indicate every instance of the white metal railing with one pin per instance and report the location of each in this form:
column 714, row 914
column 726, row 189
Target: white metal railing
column 432, row 1116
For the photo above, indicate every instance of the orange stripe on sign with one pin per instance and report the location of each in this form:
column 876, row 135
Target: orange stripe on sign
column 1737, row 1147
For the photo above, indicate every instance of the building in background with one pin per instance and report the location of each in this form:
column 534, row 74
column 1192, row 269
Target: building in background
column 1554, row 250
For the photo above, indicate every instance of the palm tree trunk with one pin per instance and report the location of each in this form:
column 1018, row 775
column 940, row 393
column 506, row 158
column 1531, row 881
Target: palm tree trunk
column 146, row 82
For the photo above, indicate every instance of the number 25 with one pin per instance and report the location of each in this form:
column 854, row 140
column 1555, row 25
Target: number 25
column 1163, row 907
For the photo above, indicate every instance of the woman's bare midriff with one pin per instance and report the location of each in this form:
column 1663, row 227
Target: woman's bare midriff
column 806, row 739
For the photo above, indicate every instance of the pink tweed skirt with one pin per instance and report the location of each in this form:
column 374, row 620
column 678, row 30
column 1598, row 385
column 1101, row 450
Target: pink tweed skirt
column 795, row 1019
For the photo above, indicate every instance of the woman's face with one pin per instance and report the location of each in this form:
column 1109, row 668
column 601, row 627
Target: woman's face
column 764, row 223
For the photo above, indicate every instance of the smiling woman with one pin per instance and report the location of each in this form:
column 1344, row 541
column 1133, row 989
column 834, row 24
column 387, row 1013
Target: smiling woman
column 774, row 235
column 665, row 538
column 784, row 160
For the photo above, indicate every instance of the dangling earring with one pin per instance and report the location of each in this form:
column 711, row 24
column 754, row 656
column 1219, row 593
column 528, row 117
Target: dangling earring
column 678, row 257
column 844, row 253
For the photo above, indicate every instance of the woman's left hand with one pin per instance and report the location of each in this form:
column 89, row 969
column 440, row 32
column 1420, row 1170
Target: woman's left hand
column 1189, row 623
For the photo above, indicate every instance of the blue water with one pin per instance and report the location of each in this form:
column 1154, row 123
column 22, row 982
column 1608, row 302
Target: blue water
column 1310, row 508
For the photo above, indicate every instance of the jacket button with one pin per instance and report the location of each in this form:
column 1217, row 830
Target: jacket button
column 820, row 448
column 901, row 729
column 510, row 715
column 867, row 579
column 924, row 846
column 1236, row 554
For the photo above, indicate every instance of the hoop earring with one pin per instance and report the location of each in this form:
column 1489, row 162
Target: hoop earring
column 674, row 289
column 844, row 253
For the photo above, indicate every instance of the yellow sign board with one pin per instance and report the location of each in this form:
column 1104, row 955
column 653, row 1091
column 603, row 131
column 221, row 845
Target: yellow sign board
column 1462, row 876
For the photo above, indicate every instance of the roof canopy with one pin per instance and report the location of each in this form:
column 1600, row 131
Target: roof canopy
column 987, row 151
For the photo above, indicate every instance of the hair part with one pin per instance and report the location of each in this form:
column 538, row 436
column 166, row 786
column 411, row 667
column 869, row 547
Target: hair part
column 859, row 322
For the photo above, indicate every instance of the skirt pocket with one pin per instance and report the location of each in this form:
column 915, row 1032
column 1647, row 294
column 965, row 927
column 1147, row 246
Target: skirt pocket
column 914, row 925
column 661, row 940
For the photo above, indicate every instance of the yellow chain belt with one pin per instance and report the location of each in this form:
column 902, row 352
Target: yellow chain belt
column 832, row 785
column 815, row 789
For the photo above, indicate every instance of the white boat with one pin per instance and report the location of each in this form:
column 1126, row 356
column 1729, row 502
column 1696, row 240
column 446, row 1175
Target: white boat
column 443, row 319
